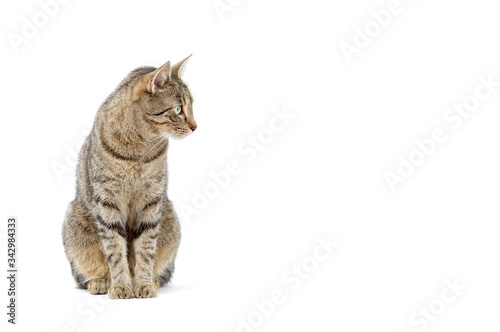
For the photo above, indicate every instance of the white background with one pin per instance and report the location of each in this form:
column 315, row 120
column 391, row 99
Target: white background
column 321, row 176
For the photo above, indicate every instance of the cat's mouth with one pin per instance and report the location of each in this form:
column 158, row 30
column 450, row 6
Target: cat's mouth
column 178, row 135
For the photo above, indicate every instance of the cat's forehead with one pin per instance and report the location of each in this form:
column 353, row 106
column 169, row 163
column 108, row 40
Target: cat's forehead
column 180, row 91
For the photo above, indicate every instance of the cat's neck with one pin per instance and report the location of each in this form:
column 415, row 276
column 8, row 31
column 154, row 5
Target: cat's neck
column 130, row 139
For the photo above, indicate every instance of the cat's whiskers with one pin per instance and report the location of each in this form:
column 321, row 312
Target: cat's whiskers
column 153, row 139
column 163, row 137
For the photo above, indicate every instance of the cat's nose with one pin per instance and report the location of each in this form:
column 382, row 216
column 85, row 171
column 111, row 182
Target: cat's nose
column 193, row 127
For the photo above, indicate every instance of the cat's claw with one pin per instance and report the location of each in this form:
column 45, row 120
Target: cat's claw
column 145, row 291
column 97, row 286
column 120, row 292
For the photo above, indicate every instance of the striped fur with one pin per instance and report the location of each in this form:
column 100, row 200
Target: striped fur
column 121, row 233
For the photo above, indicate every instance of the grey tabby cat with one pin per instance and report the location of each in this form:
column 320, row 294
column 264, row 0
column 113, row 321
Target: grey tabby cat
column 121, row 233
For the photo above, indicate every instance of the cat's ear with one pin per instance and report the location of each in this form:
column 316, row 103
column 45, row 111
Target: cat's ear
column 158, row 78
column 176, row 69
column 150, row 83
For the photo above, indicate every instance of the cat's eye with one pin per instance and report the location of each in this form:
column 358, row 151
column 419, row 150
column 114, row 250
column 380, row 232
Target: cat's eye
column 178, row 110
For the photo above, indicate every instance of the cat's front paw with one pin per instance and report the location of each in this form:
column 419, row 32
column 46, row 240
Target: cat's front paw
column 145, row 291
column 120, row 292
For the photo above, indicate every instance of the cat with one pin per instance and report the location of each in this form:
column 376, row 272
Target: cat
column 121, row 233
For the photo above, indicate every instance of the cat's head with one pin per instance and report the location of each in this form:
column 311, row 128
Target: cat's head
column 164, row 103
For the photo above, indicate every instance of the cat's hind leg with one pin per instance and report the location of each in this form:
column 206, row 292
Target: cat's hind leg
column 84, row 250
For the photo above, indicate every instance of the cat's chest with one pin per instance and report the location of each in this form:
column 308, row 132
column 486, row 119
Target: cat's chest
column 143, row 178
column 141, row 183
